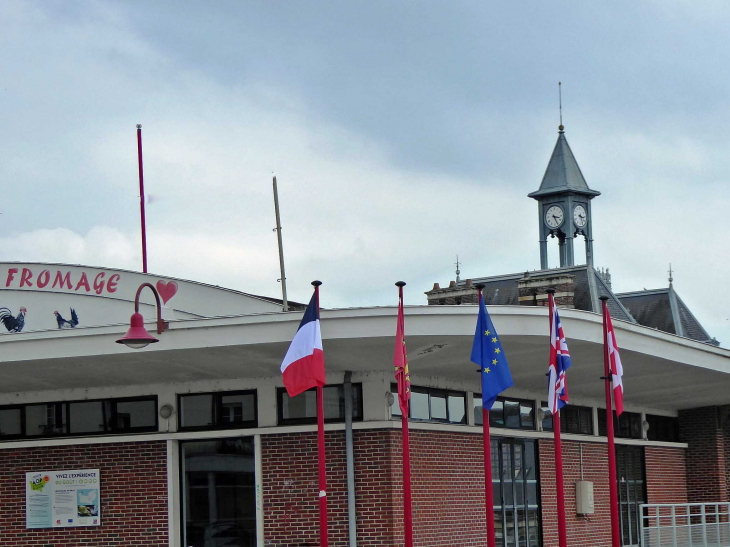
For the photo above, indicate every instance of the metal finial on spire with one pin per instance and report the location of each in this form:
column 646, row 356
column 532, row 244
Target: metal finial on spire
column 560, row 100
column 457, row 269
column 670, row 274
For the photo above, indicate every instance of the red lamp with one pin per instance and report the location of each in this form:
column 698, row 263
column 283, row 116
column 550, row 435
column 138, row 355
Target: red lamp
column 137, row 336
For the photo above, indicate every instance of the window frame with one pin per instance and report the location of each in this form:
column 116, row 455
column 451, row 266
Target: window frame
column 66, row 406
column 216, row 403
column 520, row 402
column 280, row 420
column 617, row 426
column 429, row 390
column 563, row 417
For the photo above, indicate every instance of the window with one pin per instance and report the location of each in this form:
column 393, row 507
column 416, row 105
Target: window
column 219, row 410
column 95, row 417
column 507, row 413
column 218, row 492
column 573, row 419
column 435, row 405
column 628, row 426
column 302, row 409
column 663, row 428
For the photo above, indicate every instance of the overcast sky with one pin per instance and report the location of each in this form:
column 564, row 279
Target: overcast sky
column 402, row 133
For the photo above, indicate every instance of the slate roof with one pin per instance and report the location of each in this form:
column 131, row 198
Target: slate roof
column 502, row 290
column 664, row 310
column 562, row 173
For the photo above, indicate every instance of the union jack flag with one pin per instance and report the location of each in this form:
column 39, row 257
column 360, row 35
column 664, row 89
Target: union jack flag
column 559, row 363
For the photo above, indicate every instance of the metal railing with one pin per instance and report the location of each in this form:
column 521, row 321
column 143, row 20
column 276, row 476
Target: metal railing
column 685, row 524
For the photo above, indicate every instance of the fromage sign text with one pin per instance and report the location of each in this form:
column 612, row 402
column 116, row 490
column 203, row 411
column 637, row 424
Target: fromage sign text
column 66, row 280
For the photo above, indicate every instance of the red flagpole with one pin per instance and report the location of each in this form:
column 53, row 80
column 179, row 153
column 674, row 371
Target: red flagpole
column 559, row 485
column 407, row 516
column 407, row 503
column 141, row 198
column 323, row 538
column 613, row 495
column 488, row 491
column 488, row 478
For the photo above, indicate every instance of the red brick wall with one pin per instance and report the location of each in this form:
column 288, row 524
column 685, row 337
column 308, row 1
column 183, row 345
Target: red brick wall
column 593, row 530
column 666, row 475
column 447, row 486
column 705, row 461
column 133, row 494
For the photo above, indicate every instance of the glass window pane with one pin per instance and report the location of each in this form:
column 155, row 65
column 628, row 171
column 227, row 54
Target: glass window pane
column 570, row 419
column 196, row 410
column 357, row 401
column 303, row 405
column 547, row 422
column 478, row 414
column 457, row 408
column 45, row 420
column 496, row 414
column 438, row 405
column 10, row 424
column 512, row 414
column 87, row 417
column 395, row 408
column 237, row 409
column 527, row 420
column 586, row 420
column 635, row 421
column 333, row 402
column 419, row 404
column 135, row 415
column 218, row 493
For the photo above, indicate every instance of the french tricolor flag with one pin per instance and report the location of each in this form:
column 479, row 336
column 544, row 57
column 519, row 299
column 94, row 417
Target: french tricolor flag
column 303, row 366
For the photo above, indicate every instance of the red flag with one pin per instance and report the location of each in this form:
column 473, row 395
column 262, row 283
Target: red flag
column 400, row 361
column 617, row 371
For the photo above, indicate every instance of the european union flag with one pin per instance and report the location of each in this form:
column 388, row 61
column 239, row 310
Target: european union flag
column 488, row 354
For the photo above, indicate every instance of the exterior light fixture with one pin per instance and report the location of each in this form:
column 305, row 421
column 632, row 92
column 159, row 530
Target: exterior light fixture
column 137, row 336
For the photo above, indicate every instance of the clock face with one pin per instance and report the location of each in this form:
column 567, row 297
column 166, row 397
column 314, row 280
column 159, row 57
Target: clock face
column 580, row 216
column 554, row 216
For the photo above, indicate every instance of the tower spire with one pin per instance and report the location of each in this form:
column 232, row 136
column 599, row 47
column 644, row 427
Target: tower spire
column 457, row 269
column 670, row 274
column 560, row 101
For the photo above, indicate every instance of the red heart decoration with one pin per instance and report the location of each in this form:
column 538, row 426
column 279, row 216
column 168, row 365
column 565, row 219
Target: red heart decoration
column 167, row 290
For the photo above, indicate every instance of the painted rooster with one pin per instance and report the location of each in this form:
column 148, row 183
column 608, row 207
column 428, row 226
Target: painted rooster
column 13, row 324
column 63, row 324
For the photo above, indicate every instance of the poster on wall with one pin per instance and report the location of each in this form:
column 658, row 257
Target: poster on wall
column 58, row 499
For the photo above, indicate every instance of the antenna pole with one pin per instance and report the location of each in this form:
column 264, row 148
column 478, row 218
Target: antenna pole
column 560, row 101
column 281, row 247
column 141, row 199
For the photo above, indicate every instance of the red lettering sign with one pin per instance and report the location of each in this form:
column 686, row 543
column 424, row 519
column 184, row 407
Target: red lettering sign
column 99, row 283
column 25, row 277
column 43, row 279
column 11, row 276
column 84, row 281
column 65, row 279
column 111, row 286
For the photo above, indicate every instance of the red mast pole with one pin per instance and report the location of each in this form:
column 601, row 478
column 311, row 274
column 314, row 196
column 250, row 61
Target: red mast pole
column 559, row 485
column 407, row 503
column 323, row 537
column 488, row 488
column 141, row 198
column 612, row 486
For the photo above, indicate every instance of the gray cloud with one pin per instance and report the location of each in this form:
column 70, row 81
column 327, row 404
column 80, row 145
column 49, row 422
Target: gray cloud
column 402, row 134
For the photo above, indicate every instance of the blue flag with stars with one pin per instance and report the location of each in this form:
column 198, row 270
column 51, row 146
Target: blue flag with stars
column 488, row 354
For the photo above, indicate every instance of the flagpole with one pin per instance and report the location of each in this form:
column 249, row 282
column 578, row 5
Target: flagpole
column 141, row 198
column 488, row 488
column 559, row 484
column 612, row 486
column 407, row 503
column 323, row 539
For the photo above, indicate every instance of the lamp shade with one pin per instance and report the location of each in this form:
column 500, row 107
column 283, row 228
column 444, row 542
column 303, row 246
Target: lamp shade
column 137, row 336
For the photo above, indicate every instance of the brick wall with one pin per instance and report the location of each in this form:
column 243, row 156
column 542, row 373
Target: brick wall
column 666, row 475
column 705, row 462
column 447, row 487
column 593, row 530
column 133, row 494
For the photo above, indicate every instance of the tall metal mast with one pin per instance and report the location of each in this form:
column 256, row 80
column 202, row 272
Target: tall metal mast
column 281, row 247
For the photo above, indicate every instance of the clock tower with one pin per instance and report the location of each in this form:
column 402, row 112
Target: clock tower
column 564, row 205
